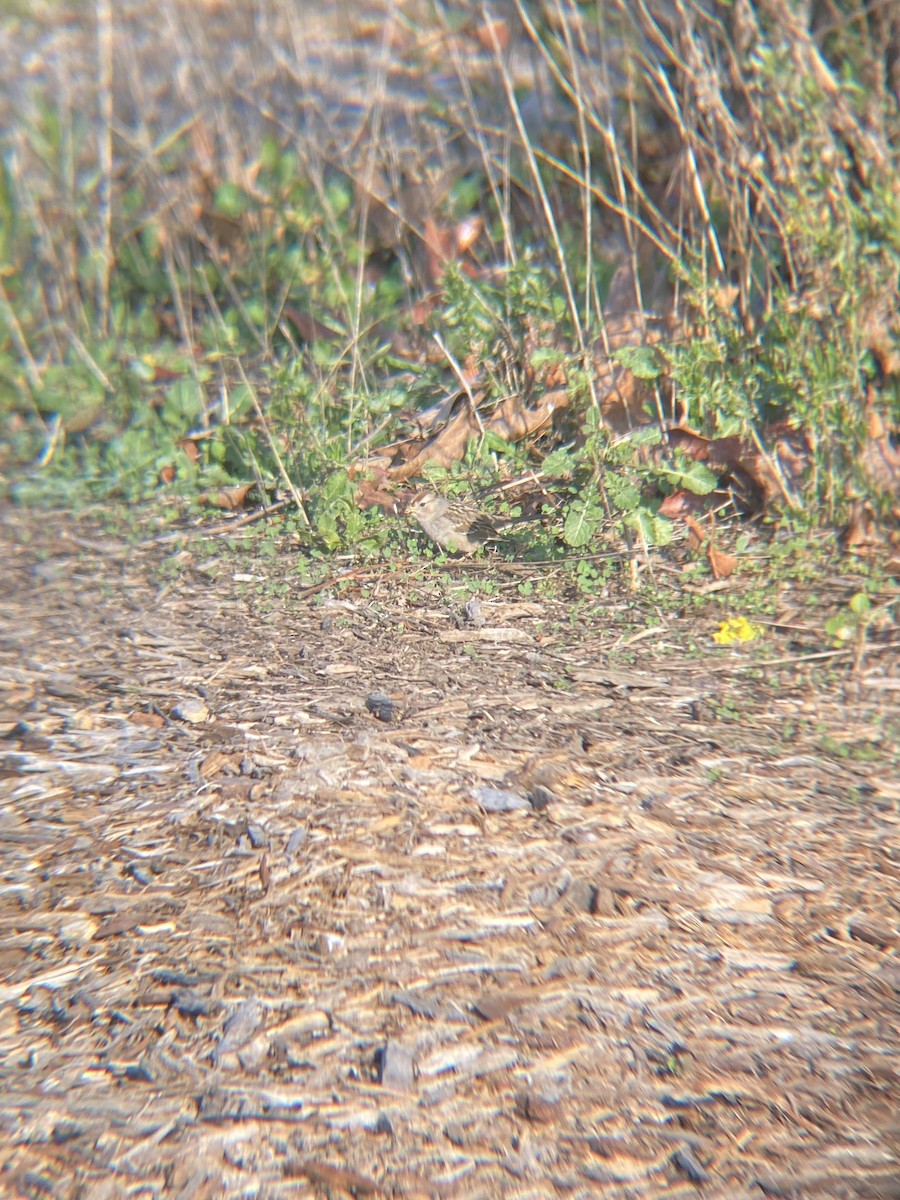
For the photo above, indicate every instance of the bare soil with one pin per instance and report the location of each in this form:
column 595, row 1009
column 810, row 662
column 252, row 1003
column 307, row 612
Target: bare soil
column 287, row 948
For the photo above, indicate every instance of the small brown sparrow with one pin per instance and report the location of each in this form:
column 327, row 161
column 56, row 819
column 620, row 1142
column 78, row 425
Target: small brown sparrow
column 453, row 524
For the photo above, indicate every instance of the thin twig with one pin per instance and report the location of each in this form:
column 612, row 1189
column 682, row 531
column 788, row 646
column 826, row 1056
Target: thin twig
column 288, row 482
column 16, row 333
column 222, row 530
column 457, row 371
column 105, row 184
column 546, row 207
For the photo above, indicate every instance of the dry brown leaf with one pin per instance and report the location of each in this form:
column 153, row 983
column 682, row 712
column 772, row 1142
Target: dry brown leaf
column 231, row 499
column 492, row 34
column 791, row 447
column 445, row 244
column 696, row 534
column 420, row 312
column 861, row 531
column 880, row 332
column 226, row 231
column 218, row 761
column 493, row 1006
column 725, row 297
column 165, row 374
column 755, row 478
column 151, row 720
column 682, row 504
column 513, row 421
column 445, row 448
column 333, row 1178
column 720, row 454
column 880, row 459
column 438, row 250
column 722, row 564
column 203, row 154
column 189, row 448
column 308, row 328
column 623, row 397
column 372, row 494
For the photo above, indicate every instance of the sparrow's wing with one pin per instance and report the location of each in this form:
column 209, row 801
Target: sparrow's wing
column 482, row 529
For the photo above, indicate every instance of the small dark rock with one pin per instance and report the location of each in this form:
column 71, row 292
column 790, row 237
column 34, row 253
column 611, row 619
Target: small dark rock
column 394, row 1064
column 138, row 1073
column 189, row 1004
column 685, row 1161
column 582, row 895
column 257, row 836
column 295, row 841
column 540, row 797
column 473, row 613
column 497, row 800
column 67, row 1131
column 383, row 708
column 422, row 1006
column 239, row 1028
column 536, row 1108
column 139, row 873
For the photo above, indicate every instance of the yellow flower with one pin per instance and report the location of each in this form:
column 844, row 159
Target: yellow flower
column 737, row 629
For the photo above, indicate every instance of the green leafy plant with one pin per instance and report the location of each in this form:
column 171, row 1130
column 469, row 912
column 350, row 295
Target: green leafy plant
column 252, row 298
column 851, row 623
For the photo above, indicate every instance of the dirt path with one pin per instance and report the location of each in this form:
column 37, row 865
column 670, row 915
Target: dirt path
column 291, row 951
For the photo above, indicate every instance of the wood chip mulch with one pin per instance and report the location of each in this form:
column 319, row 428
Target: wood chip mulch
column 342, row 896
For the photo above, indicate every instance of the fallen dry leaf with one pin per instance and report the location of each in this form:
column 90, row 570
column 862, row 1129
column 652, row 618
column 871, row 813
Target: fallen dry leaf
column 492, row 34
column 333, row 1179
column 861, row 531
column 494, row 1006
column 880, row 457
column 189, row 448
column 231, row 499
column 722, row 564
column 514, row 421
column 682, row 504
column 444, row 448
column 511, row 420
column 308, row 328
column 696, row 533
column 151, row 720
column 372, row 494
